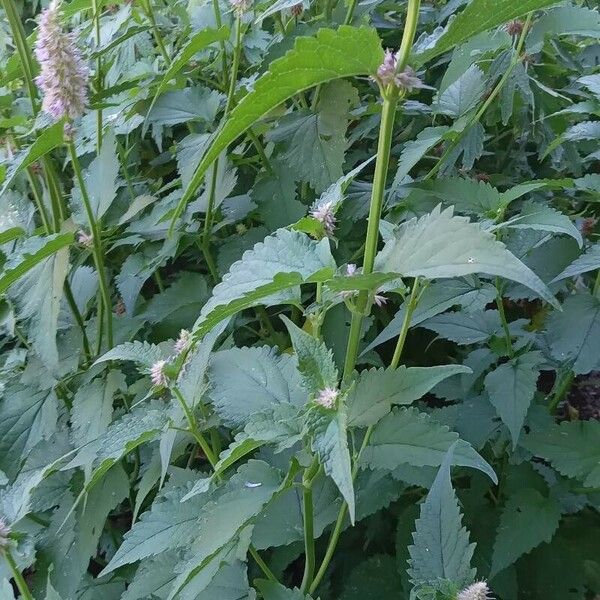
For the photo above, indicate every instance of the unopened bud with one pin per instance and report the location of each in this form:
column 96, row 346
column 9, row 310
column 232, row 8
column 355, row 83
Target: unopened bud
column 327, row 397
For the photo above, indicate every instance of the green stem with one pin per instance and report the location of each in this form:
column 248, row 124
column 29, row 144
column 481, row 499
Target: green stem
column 350, row 12
column 219, row 23
column 79, row 320
column 309, row 532
column 502, row 313
column 17, row 576
column 96, row 243
column 410, row 309
column 20, row 40
column 195, row 431
column 488, row 102
column 562, row 388
column 147, row 5
column 372, row 239
column 262, row 564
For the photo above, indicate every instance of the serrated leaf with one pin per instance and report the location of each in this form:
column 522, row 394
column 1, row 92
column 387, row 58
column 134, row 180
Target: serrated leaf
column 441, row 549
column 315, row 360
column 544, row 218
column 590, row 261
column 226, row 513
column 462, row 95
column 330, row 442
column 441, row 245
column 377, row 390
column 169, row 524
column 466, row 195
column 435, row 299
column 571, row 448
column 33, row 251
column 50, row 138
column 574, row 333
column 527, row 520
column 414, row 150
column 38, row 293
column 329, row 55
column 194, row 44
column 181, row 106
column 478, row 16
column 246, row 381
column 465, row 328
column 407, row 436
column 27, row 416
column 141, row 353
column 255, row 275
column 511, row 388
column 271, row 590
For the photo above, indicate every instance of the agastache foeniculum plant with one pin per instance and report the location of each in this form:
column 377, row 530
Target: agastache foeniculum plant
column 299, row 301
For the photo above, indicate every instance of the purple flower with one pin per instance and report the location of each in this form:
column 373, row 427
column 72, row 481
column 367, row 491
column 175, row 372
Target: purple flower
column 379, row 299
column 477, row 591
column 325, row 215
column 157, row 373
column 85, row 239
column 4, row 533
column 183, row 341
column 240, row 6
column 327, row 397
column 64, row 76
column 405, row 80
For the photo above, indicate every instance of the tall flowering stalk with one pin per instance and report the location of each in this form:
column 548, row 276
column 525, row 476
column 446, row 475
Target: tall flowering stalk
column 398, row 81
column 63, row 79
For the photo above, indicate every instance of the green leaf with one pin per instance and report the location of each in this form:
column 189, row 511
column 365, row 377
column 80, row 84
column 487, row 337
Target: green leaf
column 377, row 390
column 142, row 353
column 271, row 590
column 315, row 360
column 27, row 416
column 590, row 261
column 511, row 388
column 316, row 140
column 275, row 195
column 101, row 176
column 42, row 268
column 194, row 44
column 329, row 55
column 50, row 138
column 330, row 442
column 406, row 436
column 441, row 245
column 228, row 511
column 441, row 548
column 8, row 235
column 571, row 448
column 478, row 16
column 544, row 218
column 462, row 95
column 466, row 195
column 246, row 381
column 258, row 275
column 33, row 251
column 169, row 524
column 435, row 299
column 563, row 21
column 574, row 333
column 527, row 520
column 465, row 328
column 181, row 106
column 415, row 150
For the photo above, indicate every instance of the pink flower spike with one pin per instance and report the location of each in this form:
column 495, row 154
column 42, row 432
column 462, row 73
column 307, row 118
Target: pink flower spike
column 477, row 591
column 157, row 373
column 63, row 77
column 379, row 299
column 327, row 397
column 325, row 215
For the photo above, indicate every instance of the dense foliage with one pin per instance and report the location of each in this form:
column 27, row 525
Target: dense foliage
column 299, row 300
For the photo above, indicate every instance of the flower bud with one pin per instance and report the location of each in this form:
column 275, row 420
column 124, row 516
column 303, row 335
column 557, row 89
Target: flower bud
column 387, row 74
column 326, row 216
column 183, row 342
column 4, row 534
column 157, row 373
